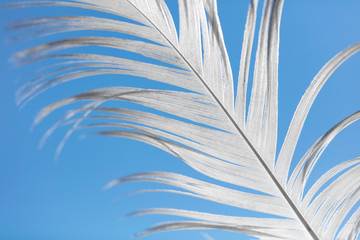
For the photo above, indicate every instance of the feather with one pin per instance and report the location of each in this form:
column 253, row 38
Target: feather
column 197, row 107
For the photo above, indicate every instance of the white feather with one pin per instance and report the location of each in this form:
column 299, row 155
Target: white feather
column 200, row 122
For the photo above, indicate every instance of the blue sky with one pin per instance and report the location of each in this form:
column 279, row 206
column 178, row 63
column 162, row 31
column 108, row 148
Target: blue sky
column 46, row 199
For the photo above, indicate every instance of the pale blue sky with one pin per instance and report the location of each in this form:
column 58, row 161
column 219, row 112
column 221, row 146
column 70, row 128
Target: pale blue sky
column 44, row 199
